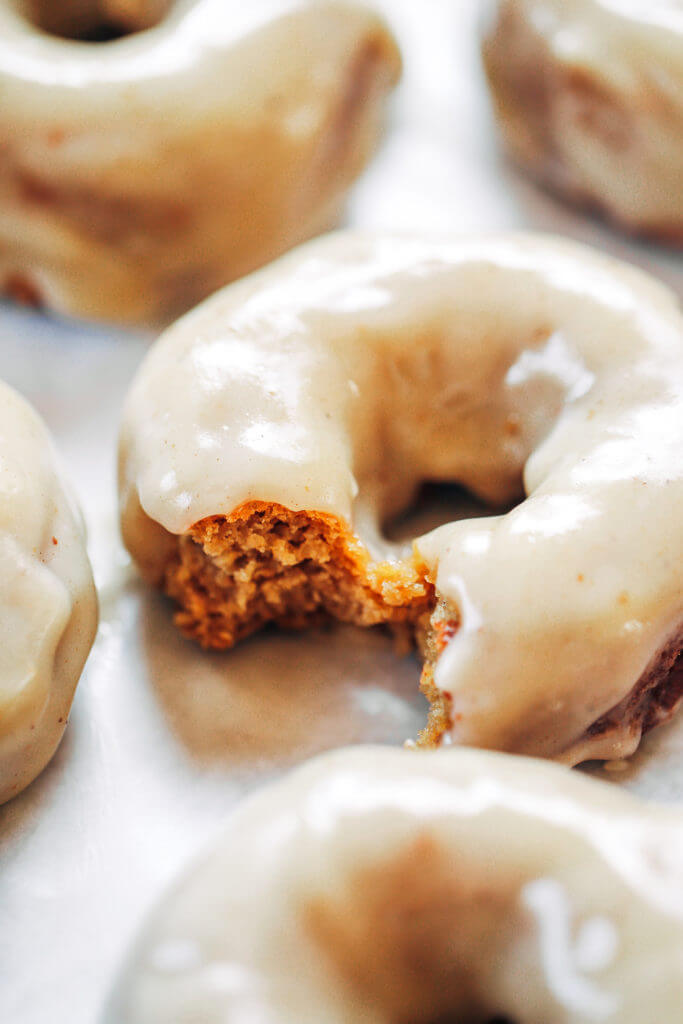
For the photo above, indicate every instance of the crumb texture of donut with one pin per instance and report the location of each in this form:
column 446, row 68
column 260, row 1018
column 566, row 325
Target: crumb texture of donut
column 266, row 564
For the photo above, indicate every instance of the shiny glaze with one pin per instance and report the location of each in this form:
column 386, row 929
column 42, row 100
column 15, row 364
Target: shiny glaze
column 342, row 376
column 140, row 174
column 590, row 95
column 48, row 607
column 589, row 879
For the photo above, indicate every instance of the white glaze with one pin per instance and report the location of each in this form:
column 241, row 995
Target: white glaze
column 599, row 111
column 345, row 374
column 141, row 174
column 560, row 898
column 48, row 607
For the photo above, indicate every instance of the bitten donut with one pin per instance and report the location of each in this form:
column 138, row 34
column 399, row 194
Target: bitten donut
column 271, row 432
column 139, row 174
column 372, row 886
column 48, row 607
column 589, row 95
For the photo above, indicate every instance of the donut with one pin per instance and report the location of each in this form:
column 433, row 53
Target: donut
column 271, row 433
column 372, row 886
column 48, row 607
column 589, row 97
column 141, row 173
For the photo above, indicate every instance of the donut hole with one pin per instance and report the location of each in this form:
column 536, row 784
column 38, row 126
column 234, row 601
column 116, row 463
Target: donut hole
column 88, row 21
column 102, row 32
column 450, row 1019
column 422, row 939
column 436, row 504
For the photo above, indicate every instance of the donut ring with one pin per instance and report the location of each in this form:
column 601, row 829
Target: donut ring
column 48, row 606
column 589, row 96
column 139, row 175
column 372, row 886
column 271, row 431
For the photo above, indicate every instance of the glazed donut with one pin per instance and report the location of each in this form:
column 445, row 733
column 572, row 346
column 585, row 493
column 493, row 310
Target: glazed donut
column 589, row 95
column 372, row 886
column 48, row 607
column 140, row 174
column 271, row 432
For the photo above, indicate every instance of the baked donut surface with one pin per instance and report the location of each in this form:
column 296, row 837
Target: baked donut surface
column 48, row 606
column 589, row 96
column 141, row 173
column 373, row 886
column 270, row 433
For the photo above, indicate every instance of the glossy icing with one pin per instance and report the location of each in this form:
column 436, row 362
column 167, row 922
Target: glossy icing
column 342, row 376
column 140, row 174
column 590, row 96
column 48, row 607
column 456, row 885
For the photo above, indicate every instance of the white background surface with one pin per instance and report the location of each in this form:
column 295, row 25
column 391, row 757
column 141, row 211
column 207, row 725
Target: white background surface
column 163, row 738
